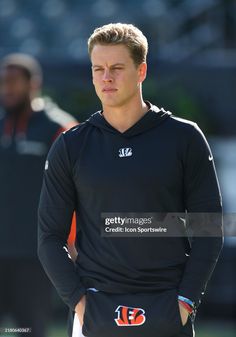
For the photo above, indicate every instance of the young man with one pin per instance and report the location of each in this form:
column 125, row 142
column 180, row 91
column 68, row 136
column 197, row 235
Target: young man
column 28, row 128
column 131, row 157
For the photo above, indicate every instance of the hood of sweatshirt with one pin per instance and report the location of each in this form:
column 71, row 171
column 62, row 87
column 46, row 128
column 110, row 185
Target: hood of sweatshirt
column 152, row 118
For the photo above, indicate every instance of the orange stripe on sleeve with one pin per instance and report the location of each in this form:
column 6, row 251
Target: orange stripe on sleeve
column 72, row 235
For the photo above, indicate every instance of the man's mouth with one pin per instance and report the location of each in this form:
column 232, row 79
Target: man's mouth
column 108, row 90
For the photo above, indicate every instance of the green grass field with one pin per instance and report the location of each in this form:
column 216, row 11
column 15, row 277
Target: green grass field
column 202, row 329
column 215, row 329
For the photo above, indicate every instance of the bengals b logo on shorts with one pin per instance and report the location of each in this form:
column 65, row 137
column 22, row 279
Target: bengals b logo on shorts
column 128, row 316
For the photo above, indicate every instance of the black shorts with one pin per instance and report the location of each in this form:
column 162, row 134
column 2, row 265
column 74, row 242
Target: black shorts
column 131, row 315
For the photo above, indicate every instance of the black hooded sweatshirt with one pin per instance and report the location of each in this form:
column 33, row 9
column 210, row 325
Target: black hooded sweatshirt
column 160, row 164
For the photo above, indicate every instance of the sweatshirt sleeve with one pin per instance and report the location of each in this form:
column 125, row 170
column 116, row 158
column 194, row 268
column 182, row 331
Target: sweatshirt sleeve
column 204, row 217
column 56, row 207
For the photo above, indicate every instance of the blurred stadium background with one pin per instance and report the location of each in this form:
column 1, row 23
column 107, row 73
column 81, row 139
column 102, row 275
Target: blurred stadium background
column 192, row 72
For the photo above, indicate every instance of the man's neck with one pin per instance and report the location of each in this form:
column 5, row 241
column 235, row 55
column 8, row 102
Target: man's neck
column 124, row 117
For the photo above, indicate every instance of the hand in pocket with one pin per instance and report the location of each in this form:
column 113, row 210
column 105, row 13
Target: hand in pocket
column 183, row 314
column 80, row 309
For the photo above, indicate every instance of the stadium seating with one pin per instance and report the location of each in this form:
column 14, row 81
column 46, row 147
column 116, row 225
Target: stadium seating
column 59, row 28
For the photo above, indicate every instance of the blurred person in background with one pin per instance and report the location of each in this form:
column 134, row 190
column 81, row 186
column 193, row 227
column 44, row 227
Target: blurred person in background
column 28, row 126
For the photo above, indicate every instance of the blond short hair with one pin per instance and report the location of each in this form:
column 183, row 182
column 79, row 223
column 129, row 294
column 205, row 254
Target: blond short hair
column 121, row 33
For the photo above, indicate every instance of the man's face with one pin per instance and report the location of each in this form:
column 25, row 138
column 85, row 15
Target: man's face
column 116, row 78
column 14, row 88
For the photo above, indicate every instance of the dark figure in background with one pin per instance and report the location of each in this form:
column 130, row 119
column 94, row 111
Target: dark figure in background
column 28, row 127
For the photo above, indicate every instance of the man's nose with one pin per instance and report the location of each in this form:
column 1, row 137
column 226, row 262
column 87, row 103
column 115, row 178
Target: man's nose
column 107, row 76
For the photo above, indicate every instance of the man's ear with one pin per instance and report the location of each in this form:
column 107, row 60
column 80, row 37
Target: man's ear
column 142, row 72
